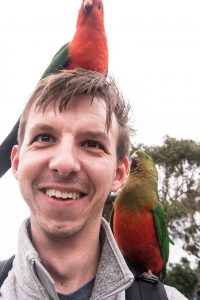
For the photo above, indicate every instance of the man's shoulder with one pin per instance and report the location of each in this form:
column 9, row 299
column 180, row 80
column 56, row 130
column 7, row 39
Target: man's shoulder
column 173, row 293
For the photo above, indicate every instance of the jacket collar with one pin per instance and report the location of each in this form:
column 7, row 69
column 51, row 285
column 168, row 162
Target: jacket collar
column 29, row 268
column 111, row 262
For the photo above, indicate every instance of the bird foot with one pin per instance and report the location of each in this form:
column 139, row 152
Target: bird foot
column 149, row 277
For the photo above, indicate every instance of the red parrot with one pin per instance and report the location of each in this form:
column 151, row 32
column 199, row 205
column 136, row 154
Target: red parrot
column 87, row 50
column 138, row 219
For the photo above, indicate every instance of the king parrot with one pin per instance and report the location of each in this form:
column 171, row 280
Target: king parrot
column 87, row 50
column 138, row 220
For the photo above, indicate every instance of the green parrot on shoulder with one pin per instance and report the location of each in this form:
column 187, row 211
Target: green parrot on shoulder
column 138, row 220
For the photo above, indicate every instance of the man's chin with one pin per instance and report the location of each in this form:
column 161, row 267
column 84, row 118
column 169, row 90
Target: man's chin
column 62, row 232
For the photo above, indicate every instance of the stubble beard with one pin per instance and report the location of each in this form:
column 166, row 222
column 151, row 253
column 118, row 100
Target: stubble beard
column 63, row 233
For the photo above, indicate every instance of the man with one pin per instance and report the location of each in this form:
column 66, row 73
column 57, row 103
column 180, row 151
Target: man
column 72, row 151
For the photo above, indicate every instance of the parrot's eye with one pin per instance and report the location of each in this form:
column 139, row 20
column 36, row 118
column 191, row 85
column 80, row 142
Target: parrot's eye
column 100, row 6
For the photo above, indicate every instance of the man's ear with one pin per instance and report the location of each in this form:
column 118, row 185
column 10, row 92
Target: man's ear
column 120, row 175
column 15, row 160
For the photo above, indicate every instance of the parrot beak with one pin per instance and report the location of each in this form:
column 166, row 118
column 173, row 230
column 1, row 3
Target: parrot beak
column 134, row 161
column 134, row 155
column 87, row 6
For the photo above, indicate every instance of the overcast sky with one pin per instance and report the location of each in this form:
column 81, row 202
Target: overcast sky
column 154, row 49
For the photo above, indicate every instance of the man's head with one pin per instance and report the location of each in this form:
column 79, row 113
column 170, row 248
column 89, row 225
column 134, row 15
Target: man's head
column 73, row 142
column 60, row 88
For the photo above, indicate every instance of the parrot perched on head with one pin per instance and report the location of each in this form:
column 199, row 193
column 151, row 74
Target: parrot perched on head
column 138, row 219
column 87, row 50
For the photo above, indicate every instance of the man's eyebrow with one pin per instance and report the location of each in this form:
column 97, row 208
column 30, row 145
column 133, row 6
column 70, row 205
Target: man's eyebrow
column 42, row 127
column 94, row 134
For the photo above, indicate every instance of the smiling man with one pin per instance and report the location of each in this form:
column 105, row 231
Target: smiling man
column 66, row 165
column 73, row 145
column 72, row 150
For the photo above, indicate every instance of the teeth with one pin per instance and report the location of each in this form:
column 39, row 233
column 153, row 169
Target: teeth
column 58, row 194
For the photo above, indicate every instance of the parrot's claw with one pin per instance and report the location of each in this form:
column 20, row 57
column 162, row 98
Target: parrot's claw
column 149, row 277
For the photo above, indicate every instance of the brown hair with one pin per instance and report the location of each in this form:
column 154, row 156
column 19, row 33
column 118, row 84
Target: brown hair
column 58, row 89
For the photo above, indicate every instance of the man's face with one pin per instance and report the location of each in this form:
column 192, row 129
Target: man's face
column 66, row 166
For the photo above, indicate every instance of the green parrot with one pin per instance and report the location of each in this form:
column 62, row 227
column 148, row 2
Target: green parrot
column 138, row 220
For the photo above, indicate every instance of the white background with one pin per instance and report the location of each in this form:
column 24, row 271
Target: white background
column 154, row 55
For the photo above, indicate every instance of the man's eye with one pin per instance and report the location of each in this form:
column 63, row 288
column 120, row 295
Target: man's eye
column 92, row 144
column 44, row 138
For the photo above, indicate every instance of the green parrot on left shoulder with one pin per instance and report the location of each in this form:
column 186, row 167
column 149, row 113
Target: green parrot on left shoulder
column 138, row 220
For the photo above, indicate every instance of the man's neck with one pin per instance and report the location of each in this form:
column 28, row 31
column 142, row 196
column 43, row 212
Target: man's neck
column 71, row 262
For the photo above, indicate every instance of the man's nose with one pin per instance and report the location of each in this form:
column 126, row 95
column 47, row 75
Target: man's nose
column 65, row 158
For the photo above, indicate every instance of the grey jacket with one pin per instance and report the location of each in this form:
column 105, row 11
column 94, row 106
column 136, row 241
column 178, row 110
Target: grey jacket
column 29, row 280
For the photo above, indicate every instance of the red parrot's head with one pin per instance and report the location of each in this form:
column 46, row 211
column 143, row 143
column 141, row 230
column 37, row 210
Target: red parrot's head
column 91, row 11
column 92, row 5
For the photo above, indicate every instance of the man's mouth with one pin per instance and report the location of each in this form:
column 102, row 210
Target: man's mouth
column 63, row 195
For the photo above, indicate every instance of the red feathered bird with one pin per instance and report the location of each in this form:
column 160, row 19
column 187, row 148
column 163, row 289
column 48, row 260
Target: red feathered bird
column 87, row 50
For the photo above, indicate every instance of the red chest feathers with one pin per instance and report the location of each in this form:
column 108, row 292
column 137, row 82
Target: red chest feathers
column 136, row 236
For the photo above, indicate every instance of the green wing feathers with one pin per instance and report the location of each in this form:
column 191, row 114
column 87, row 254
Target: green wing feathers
column 162, row 231
column 59, row 61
